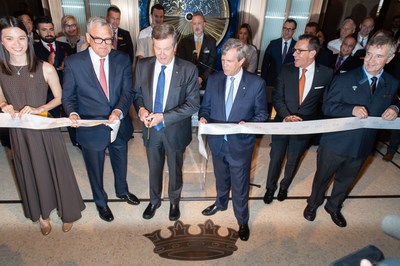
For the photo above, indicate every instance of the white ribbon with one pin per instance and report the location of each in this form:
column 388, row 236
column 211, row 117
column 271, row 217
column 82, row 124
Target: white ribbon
column 293, row 128
column 39, row 122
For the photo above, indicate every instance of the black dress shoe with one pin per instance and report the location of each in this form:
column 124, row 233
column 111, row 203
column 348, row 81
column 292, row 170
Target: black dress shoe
column 310, row 213
column 269, row 196
column 174, row 213
column 282, row 194
column 151, row 210
column 130, row 198
column 244, row 232
column 211, row 210
column 105, row 213
column 337, row 217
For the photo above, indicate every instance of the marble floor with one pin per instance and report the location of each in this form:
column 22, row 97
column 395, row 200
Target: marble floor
column 279, row 233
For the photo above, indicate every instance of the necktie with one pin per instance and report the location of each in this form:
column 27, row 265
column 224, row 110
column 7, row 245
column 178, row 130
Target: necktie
column 229, row 99
column 302, row 83
column 198, row 47
column 284, row 52
column 115, row 40
column 50, row 45
column 103, row 80
column 362, row 42
column 158, row 102
column 338, row 63
column 373, row 84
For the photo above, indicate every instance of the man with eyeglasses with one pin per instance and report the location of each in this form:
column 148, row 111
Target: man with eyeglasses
column 277, row 54
column 98, row 85
column 362, row 92
column 296, row 97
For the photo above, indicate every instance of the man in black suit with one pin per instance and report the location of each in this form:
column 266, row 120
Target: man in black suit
column 362, row 92
column 166, row 97
column 364, row 34
column 344, row 61
column 296, row 97
column 233, row 96
column 98, row 85
column 200, row 49
column 122, row 38
column 51, row 51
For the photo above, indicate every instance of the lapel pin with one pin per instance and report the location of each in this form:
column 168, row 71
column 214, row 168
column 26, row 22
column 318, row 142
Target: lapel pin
column 354, row 88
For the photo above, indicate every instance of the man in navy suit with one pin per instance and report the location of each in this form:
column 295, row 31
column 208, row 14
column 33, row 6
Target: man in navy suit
column 98, row 85
column 200, row 49
column 276, row 55
column 233, row 96
column 344, row 61
column 122, row 38
column 362, row 92
column 166, row 98
column 293, row 104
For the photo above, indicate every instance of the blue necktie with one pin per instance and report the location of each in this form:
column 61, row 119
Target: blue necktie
column 158, row 102
column 229, row 99
column 229, row 102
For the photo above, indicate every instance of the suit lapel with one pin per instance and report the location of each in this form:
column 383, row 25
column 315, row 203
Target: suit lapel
column 241, row 92
column 112, row 75
column 150, row 73
column 175, row 78
column 87, row 64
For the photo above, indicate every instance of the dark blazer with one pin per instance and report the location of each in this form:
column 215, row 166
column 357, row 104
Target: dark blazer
column 208, row 55
column 346, row 91
column 250, row 105
column 350, row 63
column 285, row 95
column 324, row 56
column 82, row 93
column 272, row 62
column 124, row 43
column 182, row 102
column 63, row 50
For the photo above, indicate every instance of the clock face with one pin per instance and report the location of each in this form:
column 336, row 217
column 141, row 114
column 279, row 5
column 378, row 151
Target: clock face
column 179, row 13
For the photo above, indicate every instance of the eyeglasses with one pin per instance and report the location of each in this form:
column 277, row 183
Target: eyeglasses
column 70, row 25
column 287, row 29
column 299, row 51
column 98, row 40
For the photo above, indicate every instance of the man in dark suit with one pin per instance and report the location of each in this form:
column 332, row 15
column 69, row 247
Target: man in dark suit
column 98, row 85
column 166, row 98
column 297, row 96
column 122, row 38
column 362, row 92
column 200, row 49
column 233, row 96
column 344, row 61
column 276, row 54
column 51, row 51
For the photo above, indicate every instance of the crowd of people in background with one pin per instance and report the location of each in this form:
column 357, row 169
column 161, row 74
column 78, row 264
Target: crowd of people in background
column 356, row 74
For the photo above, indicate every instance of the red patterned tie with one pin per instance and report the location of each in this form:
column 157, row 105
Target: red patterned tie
column 103, row 80
column 50, row 45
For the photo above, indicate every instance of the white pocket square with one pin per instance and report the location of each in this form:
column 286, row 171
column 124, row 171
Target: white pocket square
column 318, row 88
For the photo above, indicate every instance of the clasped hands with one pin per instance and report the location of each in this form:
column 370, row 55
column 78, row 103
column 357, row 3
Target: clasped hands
column 114, row 117
column 150, row 119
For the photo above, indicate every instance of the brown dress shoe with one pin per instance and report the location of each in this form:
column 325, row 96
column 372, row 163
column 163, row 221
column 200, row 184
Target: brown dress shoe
column 67, row 227
column 388, row 157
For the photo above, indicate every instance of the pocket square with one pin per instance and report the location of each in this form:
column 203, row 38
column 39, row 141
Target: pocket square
column 319, row 87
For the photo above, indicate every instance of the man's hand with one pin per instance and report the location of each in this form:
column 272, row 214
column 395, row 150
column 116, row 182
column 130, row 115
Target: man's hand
column 390, row 113
column 114, row 116
column 360, row 112
column 155, row 119
column 74, row 119
column 143, row 115
column 292, row 118
column 203, row 120
column 200, row 81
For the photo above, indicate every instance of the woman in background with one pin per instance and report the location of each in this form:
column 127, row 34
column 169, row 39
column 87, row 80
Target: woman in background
column 245, row 35
column 71, row 34
column 44, row 172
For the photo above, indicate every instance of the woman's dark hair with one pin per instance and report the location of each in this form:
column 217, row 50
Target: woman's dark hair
column 10, row 22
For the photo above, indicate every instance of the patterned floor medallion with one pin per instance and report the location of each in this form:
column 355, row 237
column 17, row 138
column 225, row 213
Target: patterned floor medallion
column 182, row 245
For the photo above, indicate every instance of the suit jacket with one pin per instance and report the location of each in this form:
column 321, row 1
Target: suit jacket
column 285, row 95
column 83, row 94
column 272, row 62
column 208, row 55
column 346, row 91
column 250, row 105
column 350, row 63
column 124, row 43
column 63, row 50
column 183, row 99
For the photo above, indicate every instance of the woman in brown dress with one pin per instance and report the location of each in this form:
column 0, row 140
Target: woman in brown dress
column 44, row 172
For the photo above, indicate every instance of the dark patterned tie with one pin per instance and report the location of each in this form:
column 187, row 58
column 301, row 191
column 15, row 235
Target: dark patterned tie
column 373, row 84
column 284, row 52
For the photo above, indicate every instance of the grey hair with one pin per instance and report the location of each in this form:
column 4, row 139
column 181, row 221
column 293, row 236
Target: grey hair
column 240, row 47
column 349, row 20
column 163, row 31
column 383, row 40
column 96, row 21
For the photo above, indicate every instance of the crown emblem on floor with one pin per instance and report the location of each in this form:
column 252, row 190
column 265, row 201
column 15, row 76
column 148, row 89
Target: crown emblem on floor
column 182, row 245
